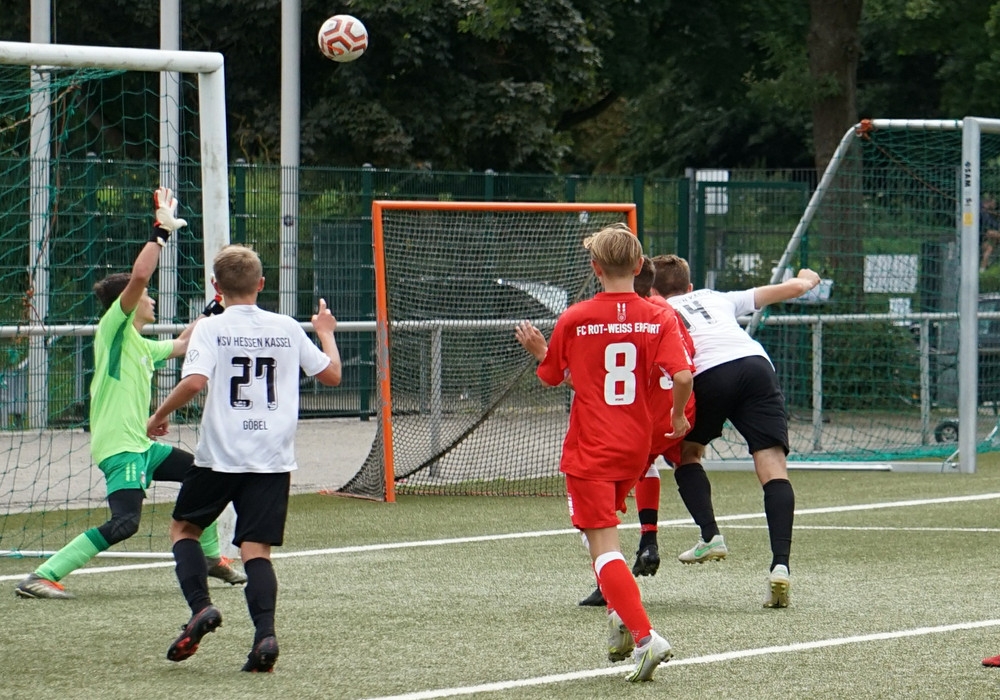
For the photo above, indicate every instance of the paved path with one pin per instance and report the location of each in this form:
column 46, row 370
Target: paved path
column 53, row 467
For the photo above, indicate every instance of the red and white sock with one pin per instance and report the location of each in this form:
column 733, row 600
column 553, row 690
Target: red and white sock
column 622, row 593
column 647, row 497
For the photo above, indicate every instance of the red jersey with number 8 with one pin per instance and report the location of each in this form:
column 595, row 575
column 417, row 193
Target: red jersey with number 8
column 610, row 346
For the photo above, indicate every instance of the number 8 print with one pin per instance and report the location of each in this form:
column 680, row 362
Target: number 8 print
column 619, row 374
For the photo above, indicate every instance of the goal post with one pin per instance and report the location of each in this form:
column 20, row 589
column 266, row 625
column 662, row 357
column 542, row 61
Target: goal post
column 86, row 134
column 210, row 71
column 459, row 408
column 895, row 224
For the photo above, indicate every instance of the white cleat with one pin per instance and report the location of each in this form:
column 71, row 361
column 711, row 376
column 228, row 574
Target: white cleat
column 713, row 550
column 620, row 642
column 648, row 657
column 778, row 584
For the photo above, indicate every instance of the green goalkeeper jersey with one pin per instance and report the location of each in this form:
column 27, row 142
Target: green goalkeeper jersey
column 120, row 392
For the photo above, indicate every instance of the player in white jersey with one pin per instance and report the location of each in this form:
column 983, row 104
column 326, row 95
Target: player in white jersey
column 250, row 427
column 249, row 359
column 734, row 380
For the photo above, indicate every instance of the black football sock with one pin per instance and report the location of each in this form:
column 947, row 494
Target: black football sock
column 779, row 507
column 192, row 574
column 696, row 492
column 648, row 516
column 262, row 596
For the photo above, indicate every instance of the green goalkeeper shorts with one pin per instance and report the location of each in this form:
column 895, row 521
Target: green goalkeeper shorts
column 133, row 470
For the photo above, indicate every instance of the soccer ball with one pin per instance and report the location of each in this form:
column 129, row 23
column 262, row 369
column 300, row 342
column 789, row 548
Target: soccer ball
column 343, row 38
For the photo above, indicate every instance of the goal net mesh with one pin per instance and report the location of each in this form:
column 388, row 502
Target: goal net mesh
column 887, row 233
column 100, row 165
column 469, row 416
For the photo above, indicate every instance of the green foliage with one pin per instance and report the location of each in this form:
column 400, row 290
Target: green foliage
column 734, row 277
column 563, row 85
column 929, row 58
column 869, row 366
column 989, row 280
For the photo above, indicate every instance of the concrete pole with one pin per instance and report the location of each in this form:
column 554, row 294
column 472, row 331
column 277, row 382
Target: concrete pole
column 291, row 33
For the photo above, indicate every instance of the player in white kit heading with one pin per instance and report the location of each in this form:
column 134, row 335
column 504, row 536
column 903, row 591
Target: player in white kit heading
column 734, row 380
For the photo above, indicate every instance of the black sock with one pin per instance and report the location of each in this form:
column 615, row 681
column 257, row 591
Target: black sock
column 696, row 492
column 648, row 516
column 779, row 507
column 262, row 596
column 192, row 574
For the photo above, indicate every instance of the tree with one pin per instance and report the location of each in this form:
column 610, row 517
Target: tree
column 578, row 85
column 834, row 50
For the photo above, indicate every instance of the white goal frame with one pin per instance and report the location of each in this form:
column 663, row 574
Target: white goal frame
column 972, row 129
column 209, row 67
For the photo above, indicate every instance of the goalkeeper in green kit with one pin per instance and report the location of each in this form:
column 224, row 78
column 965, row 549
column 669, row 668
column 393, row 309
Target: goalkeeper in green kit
column 120, row 393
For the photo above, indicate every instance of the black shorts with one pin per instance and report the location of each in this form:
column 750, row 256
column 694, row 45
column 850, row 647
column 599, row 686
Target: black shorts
column 746, row 393
column 174, row 467
column 260, row 502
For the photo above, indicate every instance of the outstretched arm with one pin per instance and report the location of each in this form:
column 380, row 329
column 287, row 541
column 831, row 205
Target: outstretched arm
column 142, row 271
column 165, row 206
column 789, row 289
column 181, row 342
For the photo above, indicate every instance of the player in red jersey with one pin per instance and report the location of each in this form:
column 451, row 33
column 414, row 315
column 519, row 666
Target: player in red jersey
column 692, row 482
column 647, row 489
column 613, row 346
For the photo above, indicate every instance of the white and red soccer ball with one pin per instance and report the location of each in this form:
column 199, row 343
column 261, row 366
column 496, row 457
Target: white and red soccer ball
column 343, row 38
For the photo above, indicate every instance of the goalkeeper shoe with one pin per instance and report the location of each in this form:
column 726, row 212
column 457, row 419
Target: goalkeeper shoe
column 713, row 550
column 778, row 583
column 34, row 586
column 647, row 561
column 201, row 623
column 620, row 642
column 222, row 569
column 648, row 656
column 594, row 600
column 262, row 657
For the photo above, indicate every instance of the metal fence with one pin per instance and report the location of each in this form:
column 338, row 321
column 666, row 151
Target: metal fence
column 103, row 215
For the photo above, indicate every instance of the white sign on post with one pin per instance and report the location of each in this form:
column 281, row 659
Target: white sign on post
column 891, row 274
column 716, row 198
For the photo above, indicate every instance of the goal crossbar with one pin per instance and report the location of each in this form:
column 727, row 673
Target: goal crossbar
column 210, row 68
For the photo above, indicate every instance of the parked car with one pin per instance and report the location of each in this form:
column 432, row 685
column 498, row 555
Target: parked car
column 989, row 366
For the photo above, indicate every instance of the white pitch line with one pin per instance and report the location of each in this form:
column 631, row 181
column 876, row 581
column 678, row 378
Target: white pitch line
column 354, row 549
column 876, row 528
column 501, row 686
column 867, row 506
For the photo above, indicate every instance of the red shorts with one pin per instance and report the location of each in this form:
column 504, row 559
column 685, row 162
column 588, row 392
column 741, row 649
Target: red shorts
column 673, row 454
column 670, row 448
column 594, row 505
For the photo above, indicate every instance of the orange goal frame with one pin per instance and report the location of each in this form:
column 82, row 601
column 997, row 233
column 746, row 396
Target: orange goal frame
column 381, row 290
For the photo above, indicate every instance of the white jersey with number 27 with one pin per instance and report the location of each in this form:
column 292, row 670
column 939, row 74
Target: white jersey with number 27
column 711, row 319
column 252, row 359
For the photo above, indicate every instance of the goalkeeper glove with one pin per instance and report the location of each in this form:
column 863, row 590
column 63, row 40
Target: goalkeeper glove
column 166, row 216
column 214, row 307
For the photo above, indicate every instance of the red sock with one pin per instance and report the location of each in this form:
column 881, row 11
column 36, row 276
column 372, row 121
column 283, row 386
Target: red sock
column 647, row 497
column 622, row 593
